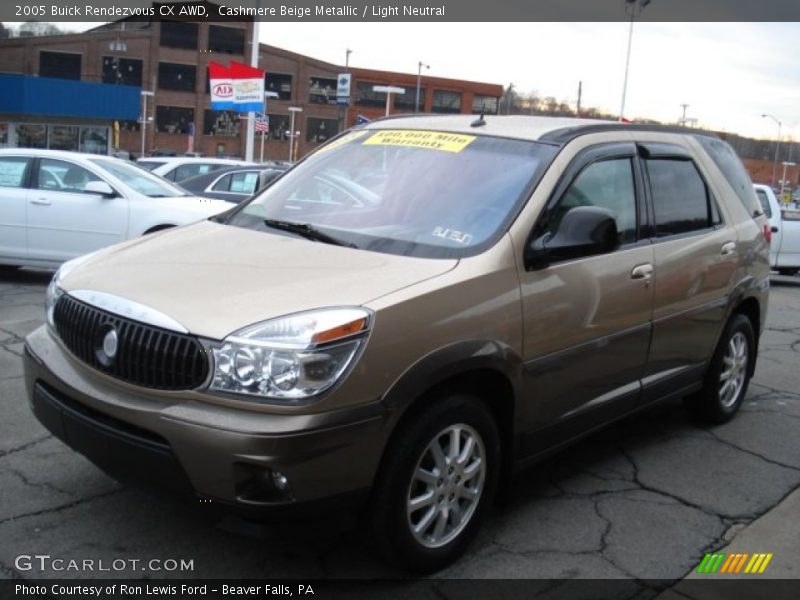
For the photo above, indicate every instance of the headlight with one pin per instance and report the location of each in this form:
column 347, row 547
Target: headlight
column 290, row 358
column 54, row 291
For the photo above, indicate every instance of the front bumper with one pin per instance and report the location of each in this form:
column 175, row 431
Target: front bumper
column 215, row 452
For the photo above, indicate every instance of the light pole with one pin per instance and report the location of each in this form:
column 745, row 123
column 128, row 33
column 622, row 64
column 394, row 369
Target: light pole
column 292, row 111
column 785, row 164
column 419, row 82
column 388, row 90
column 508, row 100
column 143, row 120
column 633, row 8
column 777, row 147
column 251, row 116
column 266, row 116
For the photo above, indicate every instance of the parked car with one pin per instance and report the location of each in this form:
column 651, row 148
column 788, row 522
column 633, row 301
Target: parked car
column 57, row 205
column 503, row 287
column 784, row 250
column 233, row 184
column 178, row 169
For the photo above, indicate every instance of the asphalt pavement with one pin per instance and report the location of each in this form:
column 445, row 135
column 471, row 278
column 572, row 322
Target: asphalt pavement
column 644, row 499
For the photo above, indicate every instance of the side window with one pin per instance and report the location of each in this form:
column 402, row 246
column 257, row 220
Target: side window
column 681, row 201
column 59, row 175
column 762, row 198
column 728, row 162
column 192, row 170
column 223, row 185
column 605, row 184
column 12, row 171
column 244, row 183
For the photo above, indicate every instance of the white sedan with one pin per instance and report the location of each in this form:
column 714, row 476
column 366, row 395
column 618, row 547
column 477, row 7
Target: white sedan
column 181, row 168
column 56, row 205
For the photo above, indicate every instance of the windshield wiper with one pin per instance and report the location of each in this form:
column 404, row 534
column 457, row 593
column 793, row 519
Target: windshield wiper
column 307, row 231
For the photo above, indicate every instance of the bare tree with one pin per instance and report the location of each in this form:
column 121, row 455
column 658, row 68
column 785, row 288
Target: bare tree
column 37, row 29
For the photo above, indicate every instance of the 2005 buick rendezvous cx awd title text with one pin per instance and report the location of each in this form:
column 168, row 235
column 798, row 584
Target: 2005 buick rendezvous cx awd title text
column 413, row 312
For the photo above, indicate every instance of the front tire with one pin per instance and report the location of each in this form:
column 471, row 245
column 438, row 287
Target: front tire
column 728, row 375
column 435, row 484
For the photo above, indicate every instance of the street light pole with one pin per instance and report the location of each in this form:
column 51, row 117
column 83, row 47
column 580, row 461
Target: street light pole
column 292, row 111
column 630, row 9
column 508, row 100
column 143, row 122
column 777, row 147
column 251, row 116
column 419, row 82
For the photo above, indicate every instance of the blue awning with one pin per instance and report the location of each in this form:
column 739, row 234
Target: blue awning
column 46, row 96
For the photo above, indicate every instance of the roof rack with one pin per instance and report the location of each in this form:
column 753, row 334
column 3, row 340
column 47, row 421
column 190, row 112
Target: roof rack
column 567, row 134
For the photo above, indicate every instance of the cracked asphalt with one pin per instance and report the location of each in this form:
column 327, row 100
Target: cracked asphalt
column 643, row 499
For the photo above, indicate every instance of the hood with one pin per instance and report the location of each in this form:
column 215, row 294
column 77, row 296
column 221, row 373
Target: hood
column 215, row 279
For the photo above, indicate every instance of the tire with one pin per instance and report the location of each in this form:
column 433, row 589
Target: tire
column 792, row 271
column 464, row 488
column 728, row 376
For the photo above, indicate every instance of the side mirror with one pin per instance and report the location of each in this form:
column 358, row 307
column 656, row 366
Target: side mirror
column 99, row 187
column 583, row 231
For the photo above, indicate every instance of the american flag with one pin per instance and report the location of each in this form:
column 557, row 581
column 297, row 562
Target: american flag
column 262, row 123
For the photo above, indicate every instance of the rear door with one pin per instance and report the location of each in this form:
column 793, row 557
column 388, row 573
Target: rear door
column 64, row 221
column 14, row 175
column 696, row 256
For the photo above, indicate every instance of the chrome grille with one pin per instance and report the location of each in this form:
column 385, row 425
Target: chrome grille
column 147, row 356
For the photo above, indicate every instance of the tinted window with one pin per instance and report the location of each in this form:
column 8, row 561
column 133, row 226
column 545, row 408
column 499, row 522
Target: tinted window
column 485, row 104
column 191, row 170
column 62, row 65
column 322, row 90
column 31, row 136
column 63, row 176
column 179, row 35
column 12, row 171
column 366, row 96
column 240, row 183
column 605, row 184
column 321, row 130
column 405, row 101
column 280, row 84
column 762, row 198
column 173, row 119
column 221, row 122
column 228, row 40
column 728, row 162
column 122, row 71
column 172, row 76
column 446, row 102
column 680, row 198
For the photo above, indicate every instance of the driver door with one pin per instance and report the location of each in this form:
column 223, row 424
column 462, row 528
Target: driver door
column 587, row 321
column 63, row 220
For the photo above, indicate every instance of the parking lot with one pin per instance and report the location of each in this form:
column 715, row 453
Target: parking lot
column 642, row 499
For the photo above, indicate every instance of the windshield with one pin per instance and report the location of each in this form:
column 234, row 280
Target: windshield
column 142, row 181
column 420, row 193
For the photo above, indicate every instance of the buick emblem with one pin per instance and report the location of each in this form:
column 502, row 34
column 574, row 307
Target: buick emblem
column 106, row 344
column 110, row 344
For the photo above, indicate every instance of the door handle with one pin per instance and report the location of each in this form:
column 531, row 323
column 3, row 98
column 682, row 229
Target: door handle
column 774, row 229
column 728, row 249
column 41, row 201
column 644, row 271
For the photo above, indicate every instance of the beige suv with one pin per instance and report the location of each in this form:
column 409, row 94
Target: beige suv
column 410, row 315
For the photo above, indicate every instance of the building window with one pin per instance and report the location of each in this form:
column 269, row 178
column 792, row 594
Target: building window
column 94, row 140
column 4, row 134
column 278, row 127
column 365, row 96
column 173, row 119
column 64, row 137
column 173, row 76
column 128, row 125
column 406, row 101
column 321, row 90
column 179, row 35
column 62, row 65
column 321, row 130
column 228, row 40
column 280, row 84
column 484, row 104
column 221, row 122
column 122, row 71
column 31, row 136
column 446, row 102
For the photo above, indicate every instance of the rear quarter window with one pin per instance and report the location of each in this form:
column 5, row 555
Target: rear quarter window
column 728, row 162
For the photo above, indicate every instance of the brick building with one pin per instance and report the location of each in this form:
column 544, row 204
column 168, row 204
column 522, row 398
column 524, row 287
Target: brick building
column 170, row 59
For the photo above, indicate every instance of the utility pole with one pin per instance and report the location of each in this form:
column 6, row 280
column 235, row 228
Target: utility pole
column 683, row 118
column 508, row 100
column 580, row 93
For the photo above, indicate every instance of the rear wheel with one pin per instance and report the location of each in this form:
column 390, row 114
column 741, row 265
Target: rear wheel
column 435, row 484
column 728, row 375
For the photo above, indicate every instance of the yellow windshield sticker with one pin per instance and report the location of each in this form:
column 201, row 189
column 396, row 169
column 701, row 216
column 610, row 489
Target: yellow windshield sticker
column 432, row 140
column 345, row 139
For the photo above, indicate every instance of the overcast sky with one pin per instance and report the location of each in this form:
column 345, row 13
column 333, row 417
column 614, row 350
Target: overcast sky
column 728, row 73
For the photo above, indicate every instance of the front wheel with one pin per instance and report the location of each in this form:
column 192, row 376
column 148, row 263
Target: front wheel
column 728, row 375
column 435, row 484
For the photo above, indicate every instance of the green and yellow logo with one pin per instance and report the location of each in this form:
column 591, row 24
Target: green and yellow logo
column 734, row 563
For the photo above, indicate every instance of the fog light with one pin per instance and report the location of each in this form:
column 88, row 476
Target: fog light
column 261, row 485
column 280, row 481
